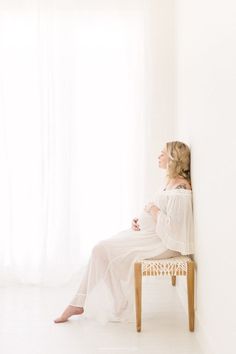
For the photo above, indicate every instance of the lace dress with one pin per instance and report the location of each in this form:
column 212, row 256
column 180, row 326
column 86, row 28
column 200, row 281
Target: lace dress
column 106, row 290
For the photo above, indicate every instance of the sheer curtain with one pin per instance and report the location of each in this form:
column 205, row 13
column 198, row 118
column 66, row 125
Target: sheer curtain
column 72, row 132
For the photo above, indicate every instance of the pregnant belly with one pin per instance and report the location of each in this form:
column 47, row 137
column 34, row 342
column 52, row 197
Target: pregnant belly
column 146, row 222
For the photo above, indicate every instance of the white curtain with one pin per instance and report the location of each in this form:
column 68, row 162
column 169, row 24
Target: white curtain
column 72, row 132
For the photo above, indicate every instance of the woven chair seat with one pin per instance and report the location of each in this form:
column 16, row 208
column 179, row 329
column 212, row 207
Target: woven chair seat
column 166, row 266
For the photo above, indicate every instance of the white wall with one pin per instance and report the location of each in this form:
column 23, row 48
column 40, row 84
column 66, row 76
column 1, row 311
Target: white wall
column 159, row 112
column 206, row 113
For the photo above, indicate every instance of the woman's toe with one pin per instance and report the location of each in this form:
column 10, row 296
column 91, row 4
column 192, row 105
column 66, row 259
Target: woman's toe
column 60, row 320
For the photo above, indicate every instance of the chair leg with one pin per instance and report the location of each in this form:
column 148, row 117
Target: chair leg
column 173, row 280
column 138, row 293
column 190, row 286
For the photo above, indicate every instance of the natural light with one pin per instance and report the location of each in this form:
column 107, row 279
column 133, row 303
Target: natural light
column 73, row 142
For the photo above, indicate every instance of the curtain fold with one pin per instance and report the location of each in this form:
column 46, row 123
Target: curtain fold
column 72, row 133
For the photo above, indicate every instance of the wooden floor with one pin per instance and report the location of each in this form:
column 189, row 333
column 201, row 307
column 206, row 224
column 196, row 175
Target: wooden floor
column 27, row 326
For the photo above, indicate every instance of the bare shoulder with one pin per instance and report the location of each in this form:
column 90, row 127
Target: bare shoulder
column 183, row 184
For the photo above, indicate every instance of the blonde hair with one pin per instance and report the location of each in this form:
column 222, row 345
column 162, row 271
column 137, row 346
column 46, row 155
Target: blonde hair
column 179, row 160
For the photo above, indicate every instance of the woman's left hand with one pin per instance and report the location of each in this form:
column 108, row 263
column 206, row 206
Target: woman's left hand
column 152, row 209
column 148, row 207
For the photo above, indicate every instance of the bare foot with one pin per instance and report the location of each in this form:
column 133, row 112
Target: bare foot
column 69, row 311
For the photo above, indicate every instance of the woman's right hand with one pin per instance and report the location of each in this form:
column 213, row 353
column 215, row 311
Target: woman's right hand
column 135, row 225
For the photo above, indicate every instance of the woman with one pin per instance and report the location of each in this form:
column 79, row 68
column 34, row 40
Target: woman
column 163, row 230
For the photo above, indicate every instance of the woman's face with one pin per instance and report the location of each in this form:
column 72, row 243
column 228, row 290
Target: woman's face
column 163, row 158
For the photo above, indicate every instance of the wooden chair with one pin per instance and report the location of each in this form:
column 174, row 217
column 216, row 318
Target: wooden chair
column 180, row 265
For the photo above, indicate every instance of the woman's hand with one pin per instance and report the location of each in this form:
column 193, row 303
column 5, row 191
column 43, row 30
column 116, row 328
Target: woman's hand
column 148, row 207
column 135, row 225
column 152, row 209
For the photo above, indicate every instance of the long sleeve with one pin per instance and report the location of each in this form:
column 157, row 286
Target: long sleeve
column 175, row 221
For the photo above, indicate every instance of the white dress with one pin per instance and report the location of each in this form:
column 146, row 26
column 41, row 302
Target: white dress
column 107, row 288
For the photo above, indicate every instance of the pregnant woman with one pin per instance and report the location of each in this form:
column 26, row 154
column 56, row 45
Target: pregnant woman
column 163, row 230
